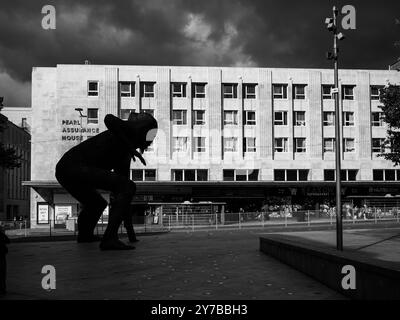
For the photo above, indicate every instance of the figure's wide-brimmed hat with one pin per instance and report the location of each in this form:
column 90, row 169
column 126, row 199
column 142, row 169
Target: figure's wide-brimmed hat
column 138, row 131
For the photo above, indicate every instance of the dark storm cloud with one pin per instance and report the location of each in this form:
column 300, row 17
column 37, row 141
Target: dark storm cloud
column 191, row 32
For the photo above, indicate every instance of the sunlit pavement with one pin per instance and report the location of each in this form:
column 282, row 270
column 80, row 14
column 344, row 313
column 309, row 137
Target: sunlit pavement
column 199, row 266
column 377, row 243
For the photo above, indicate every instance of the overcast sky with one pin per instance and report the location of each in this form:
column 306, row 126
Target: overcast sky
column 262, row 33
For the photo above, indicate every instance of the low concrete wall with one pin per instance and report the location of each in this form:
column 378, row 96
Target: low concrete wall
column 375, row 279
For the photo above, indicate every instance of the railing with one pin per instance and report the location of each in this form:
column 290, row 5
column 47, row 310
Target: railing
column 189, row 221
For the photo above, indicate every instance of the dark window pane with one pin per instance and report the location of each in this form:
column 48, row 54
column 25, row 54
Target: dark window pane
column 291, row 175
column 343, row 175
column 190, row 175
column 389, row 175
column 92, row 86
column 253, row 175
column 137, row 175
column 351, row 175
column 229, row 175
column 329, row 175
column 150, row 175
column 303, row 175
column 378, row 175
column 202, row 175
column 279, row 175
column 177, row 175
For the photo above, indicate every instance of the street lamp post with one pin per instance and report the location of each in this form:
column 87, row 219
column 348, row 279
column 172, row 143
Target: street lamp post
column 332, row 26
column 81, row 116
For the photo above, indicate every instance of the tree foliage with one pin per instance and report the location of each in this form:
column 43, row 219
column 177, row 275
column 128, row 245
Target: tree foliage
column 390, row 98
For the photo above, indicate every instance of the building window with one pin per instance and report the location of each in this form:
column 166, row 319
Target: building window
column 377, row 119
column 327, row 91
column 281, row 144
column 199, row 90
column 229, row 90
column 230, row 118
column 290, row 175
column 180, row 144
column 299, row 91
column 279, row 91
column 93, row 88
column 348, row 119
column 201, row 175
column 199, row 117
column 143, row 175
column 127, row 89
column 249, row 118
column 92, row 116
column 240, row 174
column 178, row 90
column 249, row 144
column 386, row 175
column 300, row 144
column 329, row 175
column 299, row 118
column 375, row 92
column 249, row 91
column 200, row 144
column 179, row 117
column 124, row 113
column 348, row 145
column 147, row 89
column 230, row 144
column 348, row 92
column 229, row 175
column 345, row 175
column 378, row 145
column 280, row 118
column 329, row 145
column 348, row 175
column 189, row 174
column 329, row 118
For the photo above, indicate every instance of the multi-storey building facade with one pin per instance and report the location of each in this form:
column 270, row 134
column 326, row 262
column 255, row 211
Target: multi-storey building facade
column 14, row 198
column 241, row 135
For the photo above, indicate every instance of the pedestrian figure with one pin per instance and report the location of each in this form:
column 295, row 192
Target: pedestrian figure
column 3, row 263
column 103, row 162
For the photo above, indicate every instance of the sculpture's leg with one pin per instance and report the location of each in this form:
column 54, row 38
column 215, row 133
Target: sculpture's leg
column 123, row 197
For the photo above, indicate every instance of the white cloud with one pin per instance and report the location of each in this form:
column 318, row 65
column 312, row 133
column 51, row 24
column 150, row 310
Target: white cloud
column 201, row 49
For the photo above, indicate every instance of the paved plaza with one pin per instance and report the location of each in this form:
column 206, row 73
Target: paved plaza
column 177, row 265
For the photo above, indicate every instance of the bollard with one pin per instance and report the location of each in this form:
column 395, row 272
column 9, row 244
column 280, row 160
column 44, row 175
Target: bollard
column 240, row 221
column 308, row 217
column 169, row 223
column 50, row 227
column 375, row 216
column 192, row 223
column 25, row 228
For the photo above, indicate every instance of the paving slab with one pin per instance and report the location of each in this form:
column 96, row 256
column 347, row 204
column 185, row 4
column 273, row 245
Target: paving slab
column 174, row 266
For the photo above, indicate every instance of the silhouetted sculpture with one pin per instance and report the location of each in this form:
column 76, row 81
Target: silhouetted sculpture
column 3, row 262
column 103, row 162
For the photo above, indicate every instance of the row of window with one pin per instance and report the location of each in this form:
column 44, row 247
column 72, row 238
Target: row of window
column 230, row 90
column 253, row 175
column 180, row 144
column 179, row 117
column 230, row 117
